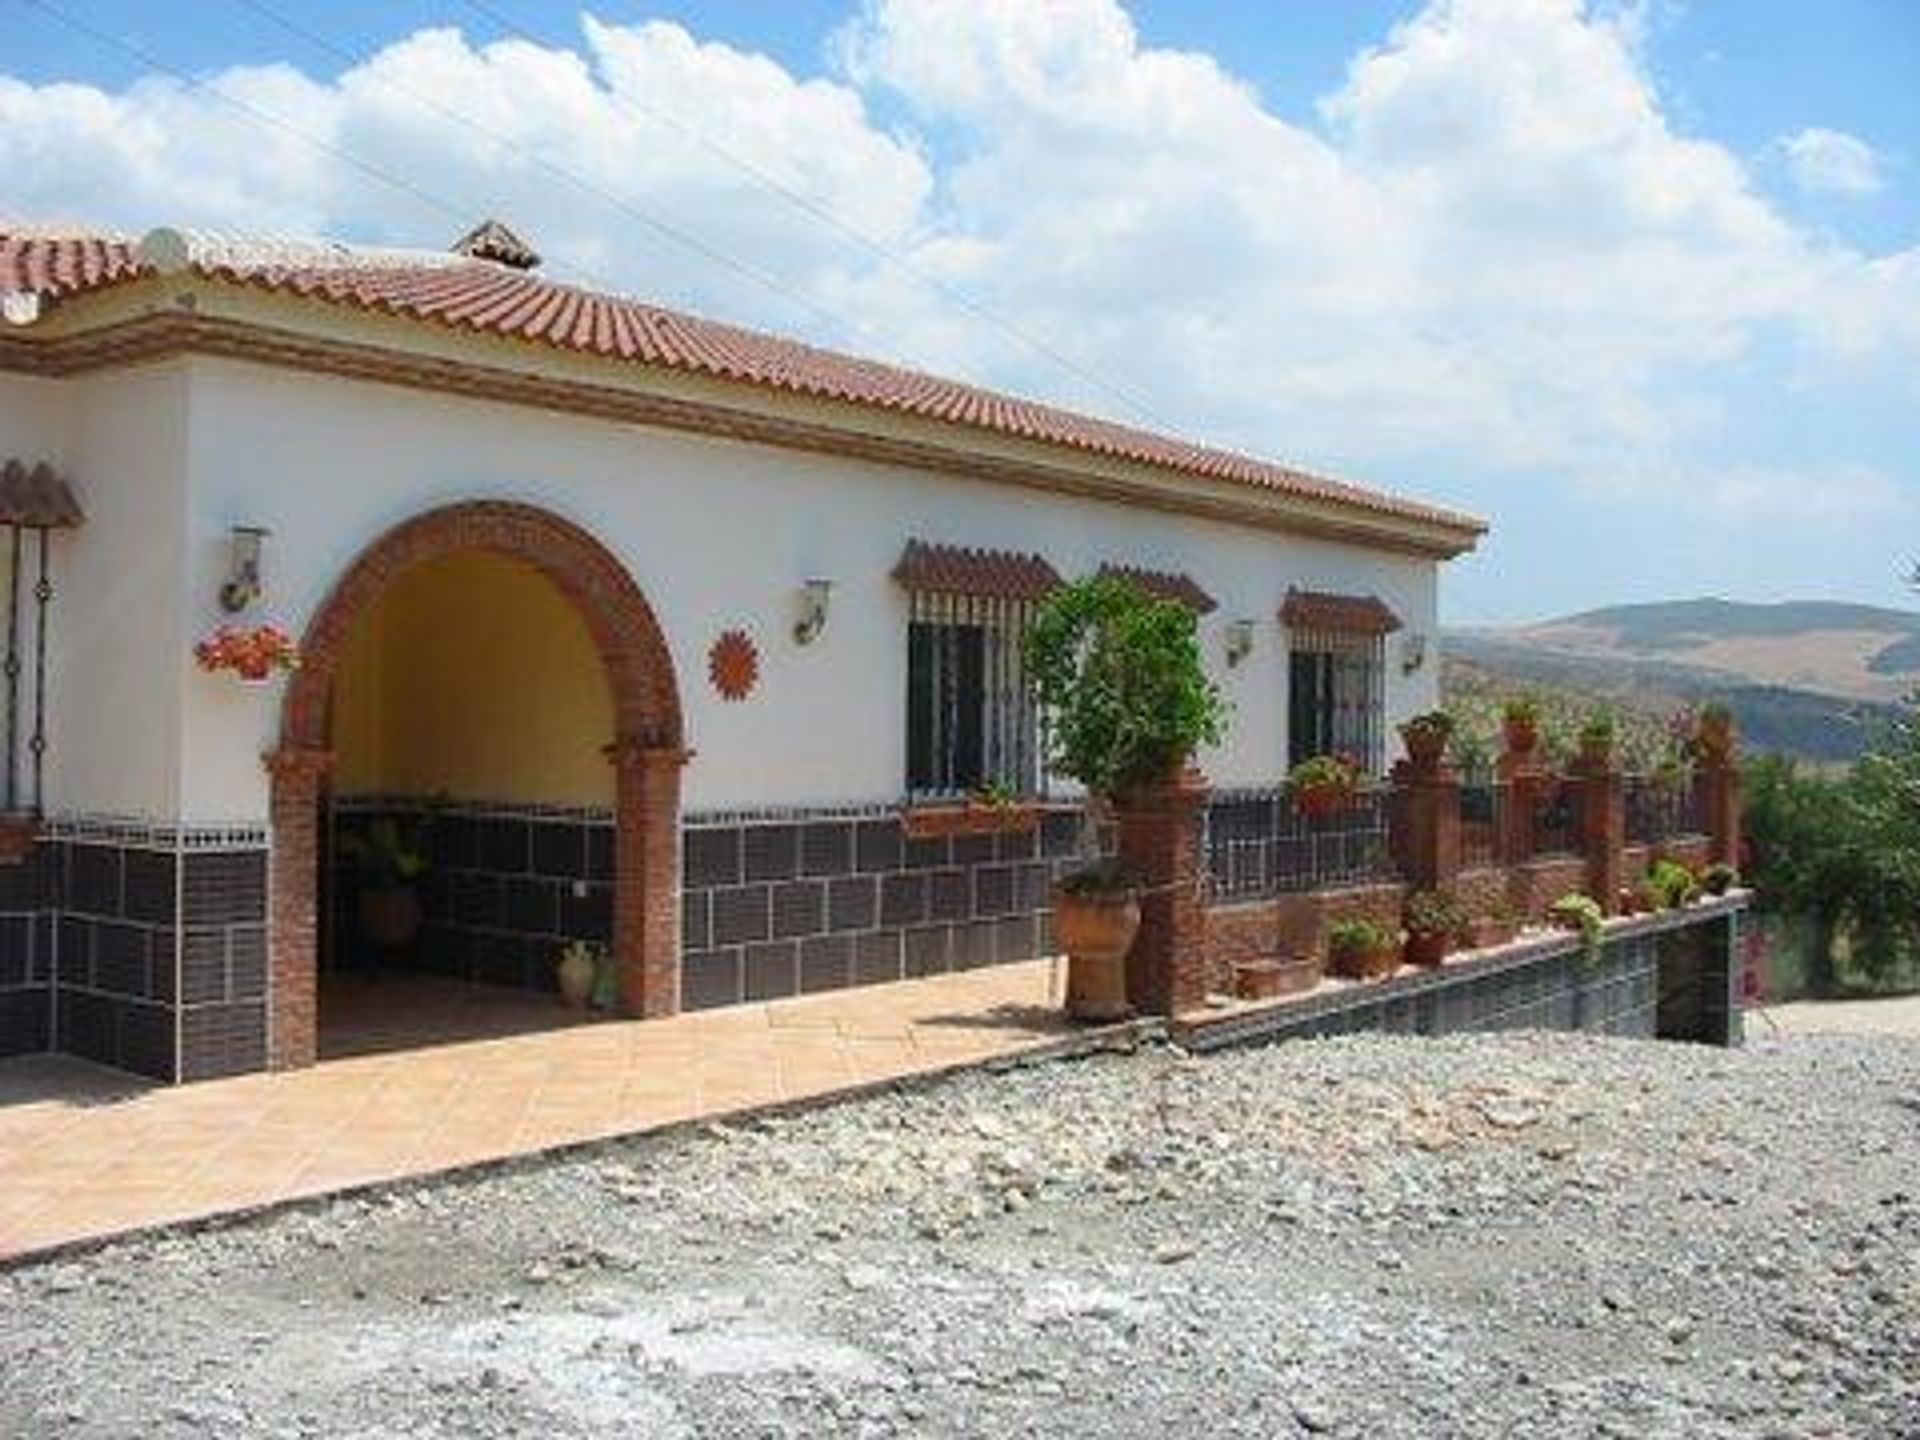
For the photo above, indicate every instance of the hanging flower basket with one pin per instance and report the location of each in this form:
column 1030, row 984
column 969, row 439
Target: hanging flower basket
column 252, row 652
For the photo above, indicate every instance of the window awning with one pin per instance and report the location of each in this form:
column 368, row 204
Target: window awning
column 36, row 497
column 986, row 574
column 1166, row 585
column 1322, row 610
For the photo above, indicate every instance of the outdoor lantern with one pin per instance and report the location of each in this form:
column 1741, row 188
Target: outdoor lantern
column 813, row 611
column 242, row 585
column 1239, row 641
column 1413, row 652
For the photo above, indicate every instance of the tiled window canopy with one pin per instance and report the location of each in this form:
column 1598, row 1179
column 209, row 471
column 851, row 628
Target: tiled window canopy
column 1321, row 611
column 36, row 498
column 1165, row 585
column 932, row 569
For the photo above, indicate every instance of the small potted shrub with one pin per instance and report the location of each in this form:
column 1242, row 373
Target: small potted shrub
column 1596, row 740
column 1520, row 725
column 1671, row 883
column 1581, row 913
column 1362, row 949
column 1426, row 737
column 1129, row 702
column 391, row 856
column 1434, row 919
column 1324, row 785
column 1496, row 926
column 1718, row 878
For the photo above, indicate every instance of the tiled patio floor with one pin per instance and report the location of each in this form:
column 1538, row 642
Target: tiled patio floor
column 86, row 1152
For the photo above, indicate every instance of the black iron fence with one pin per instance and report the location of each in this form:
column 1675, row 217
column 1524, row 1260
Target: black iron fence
column 1260, row 843
column 1483, row 810
column 1661, row 806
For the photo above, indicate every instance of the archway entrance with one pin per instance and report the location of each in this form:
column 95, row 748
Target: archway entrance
column 338, row 736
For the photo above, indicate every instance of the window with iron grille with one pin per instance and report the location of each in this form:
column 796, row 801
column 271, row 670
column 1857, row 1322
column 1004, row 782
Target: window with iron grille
column 1336, row 689
column 971, row 718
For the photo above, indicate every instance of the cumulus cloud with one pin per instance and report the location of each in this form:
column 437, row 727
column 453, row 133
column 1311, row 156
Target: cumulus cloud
column 1491, row 253
column 1832, row 162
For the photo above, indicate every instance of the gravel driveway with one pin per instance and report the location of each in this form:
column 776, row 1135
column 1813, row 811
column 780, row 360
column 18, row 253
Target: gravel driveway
column 1508, row 1236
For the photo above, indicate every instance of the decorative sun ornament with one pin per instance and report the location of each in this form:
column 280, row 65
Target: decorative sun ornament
column 733, row 664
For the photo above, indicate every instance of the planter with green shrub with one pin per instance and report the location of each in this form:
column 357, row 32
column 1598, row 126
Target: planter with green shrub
column 1362, row 949
column 1434, row 920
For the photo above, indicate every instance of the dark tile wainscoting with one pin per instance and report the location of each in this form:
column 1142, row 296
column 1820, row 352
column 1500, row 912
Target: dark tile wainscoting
column 141, row 947
column 787, row 904
column 506, row 889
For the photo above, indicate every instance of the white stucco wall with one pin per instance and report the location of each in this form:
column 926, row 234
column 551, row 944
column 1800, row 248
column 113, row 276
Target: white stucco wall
column 717, row 534
column 115, row 624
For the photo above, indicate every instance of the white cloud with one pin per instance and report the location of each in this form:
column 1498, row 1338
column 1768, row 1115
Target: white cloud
column 1832, row 162
column 1492, row 254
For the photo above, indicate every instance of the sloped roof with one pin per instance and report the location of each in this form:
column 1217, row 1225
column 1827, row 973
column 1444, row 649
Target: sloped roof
column 471, row 294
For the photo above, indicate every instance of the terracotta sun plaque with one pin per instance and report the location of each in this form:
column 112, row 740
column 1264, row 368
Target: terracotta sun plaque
column 733, row 665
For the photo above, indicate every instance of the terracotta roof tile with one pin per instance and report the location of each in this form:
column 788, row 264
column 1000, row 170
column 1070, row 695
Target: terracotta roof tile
column 480, row 296
column 1351, row 614
column 1166, row 585
column 36, row 497
column 987, row 574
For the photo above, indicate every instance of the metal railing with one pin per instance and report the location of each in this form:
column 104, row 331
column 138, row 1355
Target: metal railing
column 1259, row 843
column 1483, row 811
column 1661, row 807
column 1556, row 820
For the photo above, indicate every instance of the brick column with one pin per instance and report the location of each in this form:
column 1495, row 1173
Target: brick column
column 646, row 879
column 1160, row 845
column 1429, row 801
column 1717, row 792
column 1603, row 827
column 297, row 774
column 1528, row 785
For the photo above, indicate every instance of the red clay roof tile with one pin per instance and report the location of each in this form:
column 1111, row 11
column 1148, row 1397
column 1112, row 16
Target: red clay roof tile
column 1166, row 585
column 985, row 574
column 484, row 297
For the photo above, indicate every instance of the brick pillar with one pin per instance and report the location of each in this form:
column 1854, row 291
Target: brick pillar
column 646, row 875
column 1160, row 844
column 1603, row 827
column 1528, row 787
column 1429, row 802
column 1717, row 792
column 297, row 774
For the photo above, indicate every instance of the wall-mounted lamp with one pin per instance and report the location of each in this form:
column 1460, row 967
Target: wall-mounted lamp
column 242, row 585
column 1239, row 641
column 814, row 595
column 1413, row 652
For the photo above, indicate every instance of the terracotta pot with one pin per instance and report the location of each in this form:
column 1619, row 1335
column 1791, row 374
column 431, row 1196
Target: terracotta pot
column 1486, row 932
column 1715, row 740
column 1271, row 979
column 1427, row 949
column 1095, row 932
column 1596, row 754
column 1522, row 736
column 575, row 973
column 1366, row 964
column 1317, row 802
column 390, row 916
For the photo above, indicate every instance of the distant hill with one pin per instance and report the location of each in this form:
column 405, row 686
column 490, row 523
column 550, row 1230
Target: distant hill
column 1805, row 678
column 1856, row 652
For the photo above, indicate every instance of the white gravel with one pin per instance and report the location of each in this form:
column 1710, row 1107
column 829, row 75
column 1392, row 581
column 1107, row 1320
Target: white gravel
column 1509, row 1236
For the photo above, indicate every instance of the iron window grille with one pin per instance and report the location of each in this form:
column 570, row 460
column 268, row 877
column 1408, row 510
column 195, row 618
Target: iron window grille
column 972, row 719
column 29, row 583
column 1336, row 696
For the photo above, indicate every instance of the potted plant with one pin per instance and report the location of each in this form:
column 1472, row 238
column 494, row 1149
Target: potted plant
column 1520, row 724
column 1324, row 785
column 1128, row 702
column 1496, row 926
column 1434, row 920
column 1270, row 977
column 251, row 652
column 1671, row 883
column 391, row 855
column 1713, row 737
column 1362, row 949
column 1426, row 737
column 1581, row 913
column 576, row 971
column 1718, row 878
column 1596, row 740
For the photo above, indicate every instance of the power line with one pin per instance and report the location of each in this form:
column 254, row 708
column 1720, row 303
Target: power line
column 821, row 212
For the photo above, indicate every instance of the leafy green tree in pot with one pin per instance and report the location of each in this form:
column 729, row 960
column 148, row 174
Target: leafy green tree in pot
column 391, row 855
column 1128, row 703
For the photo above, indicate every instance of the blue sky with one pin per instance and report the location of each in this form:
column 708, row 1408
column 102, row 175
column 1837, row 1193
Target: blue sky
column 1641, row 283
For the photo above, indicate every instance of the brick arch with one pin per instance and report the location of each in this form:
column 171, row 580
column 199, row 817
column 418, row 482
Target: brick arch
column 647, row 749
